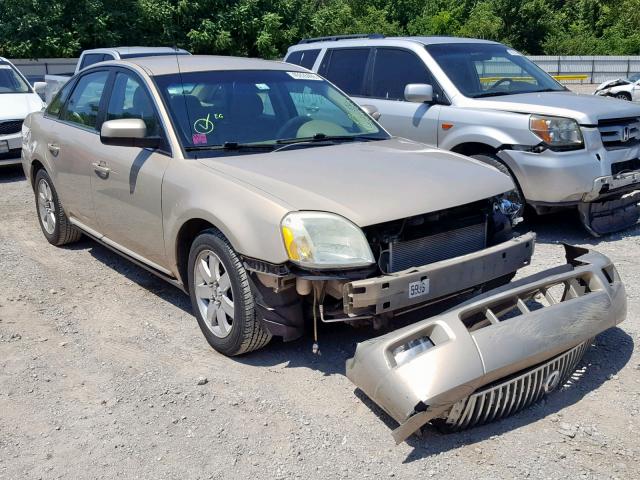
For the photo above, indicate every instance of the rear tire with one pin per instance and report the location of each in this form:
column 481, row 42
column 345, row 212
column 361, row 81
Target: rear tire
column 53, row 221
column 221, row 296
column 516, row 196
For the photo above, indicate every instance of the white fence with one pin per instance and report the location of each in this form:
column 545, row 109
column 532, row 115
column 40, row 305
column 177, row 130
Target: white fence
column 597, row 68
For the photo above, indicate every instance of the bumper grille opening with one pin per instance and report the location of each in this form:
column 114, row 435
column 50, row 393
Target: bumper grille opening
column 527, row 302
column 11, row 154
column 508, row 396
column 627, row 166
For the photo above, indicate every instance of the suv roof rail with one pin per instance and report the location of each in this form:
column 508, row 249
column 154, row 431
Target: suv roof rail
column 334, row 38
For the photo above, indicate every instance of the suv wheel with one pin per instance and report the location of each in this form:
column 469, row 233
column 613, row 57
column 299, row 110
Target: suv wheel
column 516, row 195
column 221, row 297
column 54, row 222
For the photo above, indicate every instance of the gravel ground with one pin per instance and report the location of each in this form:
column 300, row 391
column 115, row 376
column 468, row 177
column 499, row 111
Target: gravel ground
column 105, row 374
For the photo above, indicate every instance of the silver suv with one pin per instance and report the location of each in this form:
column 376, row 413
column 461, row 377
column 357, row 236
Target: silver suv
column 275, row 201
column 486, row 100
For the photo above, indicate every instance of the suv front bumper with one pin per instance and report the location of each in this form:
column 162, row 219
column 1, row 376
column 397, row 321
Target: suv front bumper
column 496, row 335
column 553, row 178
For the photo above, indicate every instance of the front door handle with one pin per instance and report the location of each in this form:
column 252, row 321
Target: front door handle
column 54, row 148
column 101, row 169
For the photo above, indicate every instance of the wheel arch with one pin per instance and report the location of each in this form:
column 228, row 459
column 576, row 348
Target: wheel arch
column 36, row 165
column 474, row 148
column 187, row 233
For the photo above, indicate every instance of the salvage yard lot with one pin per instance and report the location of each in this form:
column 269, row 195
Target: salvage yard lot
column 101, row 368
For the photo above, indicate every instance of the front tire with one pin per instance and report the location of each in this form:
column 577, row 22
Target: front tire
column 221, row 297
column 54, row 222
column 623, row 96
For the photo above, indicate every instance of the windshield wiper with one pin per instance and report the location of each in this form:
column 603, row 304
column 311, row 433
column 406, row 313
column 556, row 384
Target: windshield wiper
column 232, row 146
column 321, row 137
column 493, row 94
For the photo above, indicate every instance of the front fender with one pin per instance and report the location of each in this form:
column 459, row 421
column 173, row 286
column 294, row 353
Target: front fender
column 248, row 218
column 488, row 127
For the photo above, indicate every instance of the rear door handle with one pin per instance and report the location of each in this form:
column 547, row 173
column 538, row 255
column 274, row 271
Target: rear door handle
column 101, row 168
column 54, row 148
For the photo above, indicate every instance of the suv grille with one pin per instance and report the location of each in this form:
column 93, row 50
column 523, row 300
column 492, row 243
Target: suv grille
column 628, row 166
column 434, row 248
column 10, row 126
column 619, row 133
column 509, row 396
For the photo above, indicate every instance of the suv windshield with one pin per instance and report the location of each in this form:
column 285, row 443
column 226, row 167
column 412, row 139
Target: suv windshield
column 261, row 109
column 11, row 81
column 488, row 70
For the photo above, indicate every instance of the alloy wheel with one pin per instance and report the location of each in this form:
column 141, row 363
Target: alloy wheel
column 46, row 206
column 214, row 293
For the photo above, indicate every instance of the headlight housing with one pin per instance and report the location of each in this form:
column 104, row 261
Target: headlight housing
column 324, row 240
column 557, row 132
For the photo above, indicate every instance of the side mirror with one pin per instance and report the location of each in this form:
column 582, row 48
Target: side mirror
column 372, row 111
column 418, row 93
column 127, row 132
column 40, row 88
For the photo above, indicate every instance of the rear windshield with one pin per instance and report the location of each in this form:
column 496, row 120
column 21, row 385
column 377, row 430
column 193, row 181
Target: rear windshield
column 264, row 106
column 11, row 81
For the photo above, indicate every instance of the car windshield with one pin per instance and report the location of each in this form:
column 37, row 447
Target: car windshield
column 487, row 70
column 11, row 81
column 264, row 109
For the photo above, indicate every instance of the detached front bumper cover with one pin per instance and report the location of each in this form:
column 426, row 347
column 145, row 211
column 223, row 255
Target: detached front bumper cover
column 496, row 335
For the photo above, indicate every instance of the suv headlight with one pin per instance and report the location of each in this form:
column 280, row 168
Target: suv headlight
column 324, row 240
column 556, row 132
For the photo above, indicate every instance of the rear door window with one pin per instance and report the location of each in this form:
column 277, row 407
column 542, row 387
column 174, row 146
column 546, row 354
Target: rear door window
column 92, row 58
column 304, row 58
column 84, row 102
column 346, row 67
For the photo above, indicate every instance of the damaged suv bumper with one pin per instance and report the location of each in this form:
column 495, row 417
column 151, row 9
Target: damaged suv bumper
column 518, row 340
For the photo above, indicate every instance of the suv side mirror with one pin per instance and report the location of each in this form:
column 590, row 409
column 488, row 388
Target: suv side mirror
column 418, row 93
column 372, row 111
column 127, row 132
column 40, row 88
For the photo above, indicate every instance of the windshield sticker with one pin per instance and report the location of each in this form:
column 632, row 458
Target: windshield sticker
column 514, row 53
column 205, row 125
column 5, row 67
column 262, row 86
column 304, row 76
column 199, row 139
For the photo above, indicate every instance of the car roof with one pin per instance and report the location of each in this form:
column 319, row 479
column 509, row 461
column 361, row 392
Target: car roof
column 365, row 40
column 201, row 63
column 134, row 50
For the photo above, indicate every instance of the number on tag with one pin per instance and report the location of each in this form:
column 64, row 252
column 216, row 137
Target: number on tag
column 419, row 288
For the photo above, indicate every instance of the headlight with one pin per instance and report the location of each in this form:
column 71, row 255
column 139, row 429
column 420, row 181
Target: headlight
column 324, row 240
column 556, row 131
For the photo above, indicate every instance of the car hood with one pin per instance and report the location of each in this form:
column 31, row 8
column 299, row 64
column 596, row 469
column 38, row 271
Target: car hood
column 586, row 109
column 16, row 106
column 367, row 182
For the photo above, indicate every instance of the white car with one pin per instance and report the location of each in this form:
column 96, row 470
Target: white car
column 620, row 88
column 17, row 100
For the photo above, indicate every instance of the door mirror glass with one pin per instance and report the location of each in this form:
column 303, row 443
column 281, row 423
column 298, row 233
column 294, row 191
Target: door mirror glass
column 372, row 111
column 127, row 132
column 418, row 93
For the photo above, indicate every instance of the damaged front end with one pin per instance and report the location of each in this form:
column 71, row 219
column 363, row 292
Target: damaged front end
column 495, row 354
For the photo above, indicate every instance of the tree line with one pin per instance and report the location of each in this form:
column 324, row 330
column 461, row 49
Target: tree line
column 265, row 28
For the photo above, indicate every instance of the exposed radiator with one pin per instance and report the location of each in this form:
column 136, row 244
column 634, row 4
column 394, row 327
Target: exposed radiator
column 437, row 247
